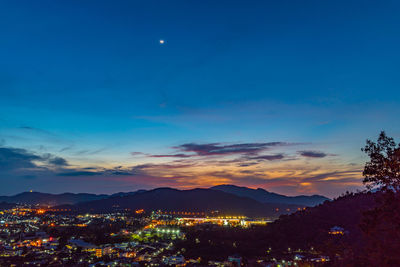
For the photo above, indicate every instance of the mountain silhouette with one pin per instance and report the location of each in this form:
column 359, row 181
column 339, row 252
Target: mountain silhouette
column 194, row 200
column 34, row 198
column 264, row 196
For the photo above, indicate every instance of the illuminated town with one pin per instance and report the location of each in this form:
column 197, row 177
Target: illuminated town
column 242, row 133
column 41, row 236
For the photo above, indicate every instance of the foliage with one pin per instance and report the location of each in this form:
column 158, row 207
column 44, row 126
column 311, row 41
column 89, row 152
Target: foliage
column 306, row 231
column 383, row 169
column 381, row 224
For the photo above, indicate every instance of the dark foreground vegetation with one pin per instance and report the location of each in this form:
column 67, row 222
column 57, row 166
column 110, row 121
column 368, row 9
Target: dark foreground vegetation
column 306, row 231
column 370, row 223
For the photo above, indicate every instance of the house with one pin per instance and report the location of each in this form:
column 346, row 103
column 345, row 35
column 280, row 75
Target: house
column 337, row 230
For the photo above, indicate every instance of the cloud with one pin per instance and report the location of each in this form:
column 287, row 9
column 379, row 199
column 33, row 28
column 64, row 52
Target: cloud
column 79, row 173
column 138, row 154
column 142, row 170
column 212, row 149
column 65, row 148
column 248, row 164
column 15, row 158
column 189, row 150
column 92, row 171
column 165, row 166
column 219, row 149
column 18, row 159
column 332, row 177
column 172, row 156
column 312, row 154
column 57, row 161
column 37, row 130
column 89, row 152
column 269, row 157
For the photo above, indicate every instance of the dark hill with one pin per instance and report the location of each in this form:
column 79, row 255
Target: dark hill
column 6, row 206
column 195, row 200
column 123, row 194
column 304, row 232
column 34, row 198
column 260, row 195
column 264, row 196
column 310, row 228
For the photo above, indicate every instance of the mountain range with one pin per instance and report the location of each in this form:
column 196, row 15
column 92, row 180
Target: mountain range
column 226, row 199
column 34, row 198
column 194, row 200
column 37, row 198
column 264, row 196
column 259, row 195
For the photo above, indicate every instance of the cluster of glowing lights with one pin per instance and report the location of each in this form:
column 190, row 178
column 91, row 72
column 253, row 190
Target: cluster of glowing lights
column 139, row 211
column 336, row 233
column 37, row 243
column 40, row 211
column 231, row 217
column 55, row 210
column 168, row 231
column 182, row 213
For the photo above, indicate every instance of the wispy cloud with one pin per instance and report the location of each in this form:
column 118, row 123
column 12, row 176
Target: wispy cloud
column 269, row 157
column 80, row 173
column 58, row 161
column 222, row 149
column 313, row 154
column 172, row 156
column 17, row 158
column 219, row 149
column 36, row 130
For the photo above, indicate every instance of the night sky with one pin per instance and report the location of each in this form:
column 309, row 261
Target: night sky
column 274, row 94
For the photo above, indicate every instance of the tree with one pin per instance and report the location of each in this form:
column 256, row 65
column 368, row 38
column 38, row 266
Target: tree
column 383, row 169
column 381, row 224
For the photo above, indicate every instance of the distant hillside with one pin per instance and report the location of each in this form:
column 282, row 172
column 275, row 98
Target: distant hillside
column 312, row 225
column 6, row 206
column 259, row 195
column 264, row 196
column 195, row 200
column 124, row 194
column 34, row 198
column 304, row 232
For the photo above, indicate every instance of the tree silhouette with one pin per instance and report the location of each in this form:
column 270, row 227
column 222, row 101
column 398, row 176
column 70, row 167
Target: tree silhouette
column 381, row 224
column 383, row 169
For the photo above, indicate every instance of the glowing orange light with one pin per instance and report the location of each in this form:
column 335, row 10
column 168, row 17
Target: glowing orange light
column 40, row 211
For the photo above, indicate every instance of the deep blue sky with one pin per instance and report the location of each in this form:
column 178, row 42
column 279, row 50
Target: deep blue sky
column 88, row 82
